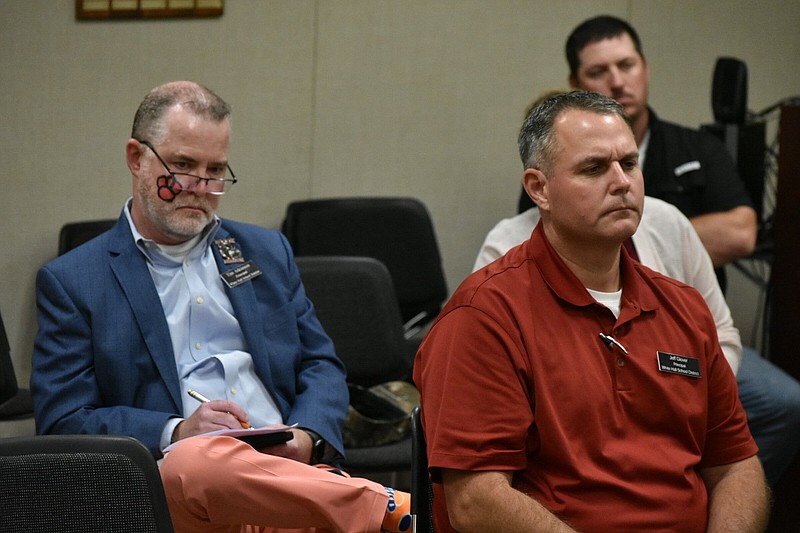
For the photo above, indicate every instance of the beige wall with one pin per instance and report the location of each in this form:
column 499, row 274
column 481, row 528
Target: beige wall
column 345, row 97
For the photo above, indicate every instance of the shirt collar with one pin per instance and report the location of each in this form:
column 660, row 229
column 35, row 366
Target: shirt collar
column 637, row 295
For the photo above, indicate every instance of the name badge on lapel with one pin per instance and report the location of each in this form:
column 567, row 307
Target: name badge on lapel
column 241, row 274
column 678, row 364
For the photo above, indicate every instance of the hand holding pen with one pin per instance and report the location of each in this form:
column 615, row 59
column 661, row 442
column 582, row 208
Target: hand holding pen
column 202, row 399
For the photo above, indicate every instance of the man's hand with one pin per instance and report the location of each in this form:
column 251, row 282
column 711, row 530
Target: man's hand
column 211, row 416
column 299, row 448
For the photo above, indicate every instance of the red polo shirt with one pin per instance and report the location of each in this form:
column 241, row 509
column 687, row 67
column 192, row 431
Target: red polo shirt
column 515, row 377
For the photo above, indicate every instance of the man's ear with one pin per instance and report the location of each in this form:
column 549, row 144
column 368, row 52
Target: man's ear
column 646, row 67
column 573, row 82
column 133, row 156
column 535, row 183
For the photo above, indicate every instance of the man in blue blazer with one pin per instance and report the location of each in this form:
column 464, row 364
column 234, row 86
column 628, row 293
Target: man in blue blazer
column 100, row 300
column 174, row 299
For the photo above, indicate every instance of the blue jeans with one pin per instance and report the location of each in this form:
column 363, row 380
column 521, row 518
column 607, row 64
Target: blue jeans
column 771, row 399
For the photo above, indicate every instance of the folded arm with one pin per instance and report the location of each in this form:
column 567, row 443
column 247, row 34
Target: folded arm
column 738, row 497
column 727, row 235
column 486, row 502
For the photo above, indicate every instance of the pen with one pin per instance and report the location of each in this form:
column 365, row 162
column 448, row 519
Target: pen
column 200, row 398
column 611, row 342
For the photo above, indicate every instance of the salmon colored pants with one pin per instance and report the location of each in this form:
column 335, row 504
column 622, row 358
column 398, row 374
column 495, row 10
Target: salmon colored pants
column 221, row 484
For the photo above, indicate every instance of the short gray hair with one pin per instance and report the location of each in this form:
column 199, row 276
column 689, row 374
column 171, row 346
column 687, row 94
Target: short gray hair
column 536, row 140
column 148, row 123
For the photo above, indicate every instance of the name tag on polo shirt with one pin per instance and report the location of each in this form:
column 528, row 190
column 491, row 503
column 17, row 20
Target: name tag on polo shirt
column 236, row 276
column 678, row 364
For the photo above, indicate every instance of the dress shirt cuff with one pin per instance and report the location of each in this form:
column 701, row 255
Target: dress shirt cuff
column 166, row 434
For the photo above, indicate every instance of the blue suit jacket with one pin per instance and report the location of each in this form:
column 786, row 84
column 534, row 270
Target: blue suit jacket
column 103, row 359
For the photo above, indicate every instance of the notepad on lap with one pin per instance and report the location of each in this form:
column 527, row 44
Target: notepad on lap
column 258, row 438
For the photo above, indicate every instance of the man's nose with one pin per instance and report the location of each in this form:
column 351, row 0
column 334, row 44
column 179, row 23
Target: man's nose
column 199, row 186
column 615, row 78
column 620, row 179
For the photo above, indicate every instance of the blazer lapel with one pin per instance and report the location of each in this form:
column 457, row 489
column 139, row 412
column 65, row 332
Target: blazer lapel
column 245, row 306
column 130, row 269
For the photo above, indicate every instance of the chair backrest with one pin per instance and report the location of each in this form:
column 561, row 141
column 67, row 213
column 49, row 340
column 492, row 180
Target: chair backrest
column 74, row 234
column 14, row 401
column 356, row 304
column 421, row 488
column 8, row 380
column 396, row 231
column 87, row 483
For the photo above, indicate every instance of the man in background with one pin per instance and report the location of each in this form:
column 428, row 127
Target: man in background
column 688, row 168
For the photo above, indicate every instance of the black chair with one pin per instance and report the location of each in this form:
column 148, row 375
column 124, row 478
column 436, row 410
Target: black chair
column 15, row 403
column 421, row 488
column 396, row 231
column 87, row 483
column 74, row 234
column 355, row 302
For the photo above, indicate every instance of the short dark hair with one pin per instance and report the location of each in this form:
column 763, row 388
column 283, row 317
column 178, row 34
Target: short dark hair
column 536, row 140
column 148, row 123
column 593, row 30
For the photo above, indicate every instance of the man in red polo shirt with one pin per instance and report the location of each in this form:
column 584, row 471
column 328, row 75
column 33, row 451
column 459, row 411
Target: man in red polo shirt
column 566, row 385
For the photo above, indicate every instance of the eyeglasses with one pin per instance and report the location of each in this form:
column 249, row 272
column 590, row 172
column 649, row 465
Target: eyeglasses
column 171, row 186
